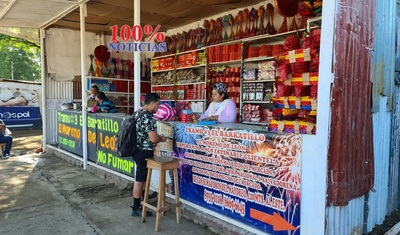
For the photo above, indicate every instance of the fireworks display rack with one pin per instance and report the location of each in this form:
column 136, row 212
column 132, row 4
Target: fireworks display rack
column 268, row 55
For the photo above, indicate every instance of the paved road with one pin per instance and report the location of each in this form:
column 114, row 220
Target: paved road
column 42, row 194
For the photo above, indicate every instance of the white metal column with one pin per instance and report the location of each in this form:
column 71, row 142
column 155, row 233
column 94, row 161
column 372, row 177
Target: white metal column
column 43, row 72
column 84, row 84
column 136, row 58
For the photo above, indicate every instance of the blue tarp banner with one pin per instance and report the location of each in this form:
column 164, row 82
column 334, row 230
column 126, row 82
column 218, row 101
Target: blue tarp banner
column 21, row 117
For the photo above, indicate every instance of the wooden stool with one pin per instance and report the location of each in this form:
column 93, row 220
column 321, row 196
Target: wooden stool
column 2, row 145
column 162, row 164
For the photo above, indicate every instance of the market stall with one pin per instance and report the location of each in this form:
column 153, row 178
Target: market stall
column 272, row 72
column 250, row 172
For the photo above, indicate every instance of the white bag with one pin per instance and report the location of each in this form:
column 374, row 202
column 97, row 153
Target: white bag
column 7, row 132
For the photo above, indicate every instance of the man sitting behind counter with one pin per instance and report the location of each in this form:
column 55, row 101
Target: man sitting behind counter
column 106, row 105
column 222, row 109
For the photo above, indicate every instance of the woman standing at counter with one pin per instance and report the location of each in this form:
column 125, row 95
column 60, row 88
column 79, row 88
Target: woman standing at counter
column 222, row 109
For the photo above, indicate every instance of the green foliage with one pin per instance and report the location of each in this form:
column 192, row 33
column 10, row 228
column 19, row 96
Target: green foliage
column 25, row 57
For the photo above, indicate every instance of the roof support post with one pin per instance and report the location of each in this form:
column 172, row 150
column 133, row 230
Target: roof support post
column 84, row 84
column 43, row 72
column 136, row 58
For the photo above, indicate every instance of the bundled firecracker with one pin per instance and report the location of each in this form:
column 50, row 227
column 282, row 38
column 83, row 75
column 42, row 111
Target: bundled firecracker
column 297, row 126
column 309, row 8
column 293, row 102
column 304, row 79
column 292, row 43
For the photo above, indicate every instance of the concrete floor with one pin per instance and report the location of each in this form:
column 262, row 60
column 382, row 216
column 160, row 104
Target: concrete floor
column 42, row 194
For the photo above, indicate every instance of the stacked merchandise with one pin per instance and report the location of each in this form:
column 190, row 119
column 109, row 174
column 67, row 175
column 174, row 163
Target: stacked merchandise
column 191, row 92
column 264, row 50
column 186, row 116
column 224, row 53
column 119, row 101
column 165, row 92
column 165, row 148
column 163, row 78
column 162, row 64
column 191, row 59
column 251, row 113
column 296, row 86
column 190, row 76
column 266, row 71
column 257, row 91
column 232, row 81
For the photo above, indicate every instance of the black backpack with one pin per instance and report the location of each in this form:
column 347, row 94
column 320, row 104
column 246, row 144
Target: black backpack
column 126, row 141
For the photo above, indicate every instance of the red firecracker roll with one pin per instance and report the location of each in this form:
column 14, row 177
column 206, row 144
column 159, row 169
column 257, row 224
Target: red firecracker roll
column 316, row 35
column 301, row 91
column 307, row 41
column 292, row 43
column 283, row 90
column 277, row 49
column 314, row 91
column 284, row 70
column 314, row 64
column 300, row 67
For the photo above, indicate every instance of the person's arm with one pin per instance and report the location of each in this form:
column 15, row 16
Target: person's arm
column 206, row 114
column 151, row 129
column 229, row 114
column 155, row 138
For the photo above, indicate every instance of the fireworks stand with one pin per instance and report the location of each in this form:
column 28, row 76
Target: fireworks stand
column 300, row 157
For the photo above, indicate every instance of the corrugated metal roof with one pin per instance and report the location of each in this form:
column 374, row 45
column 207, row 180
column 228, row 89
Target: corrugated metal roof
column 33, row 13
column 351, row 156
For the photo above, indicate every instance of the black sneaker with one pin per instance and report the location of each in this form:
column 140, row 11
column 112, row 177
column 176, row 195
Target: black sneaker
column 153, row 195
column 138, row 212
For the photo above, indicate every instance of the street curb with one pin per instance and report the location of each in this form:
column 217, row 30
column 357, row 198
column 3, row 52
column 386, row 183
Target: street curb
column 395, row 230
column 211, row 222
column 120, row 182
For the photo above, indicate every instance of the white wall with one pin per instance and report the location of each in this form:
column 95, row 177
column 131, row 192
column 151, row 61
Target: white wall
column 63, row 53
column 64, row 56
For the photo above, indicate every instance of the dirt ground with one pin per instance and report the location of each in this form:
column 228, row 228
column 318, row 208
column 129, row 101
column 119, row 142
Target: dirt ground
column 26, row 141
